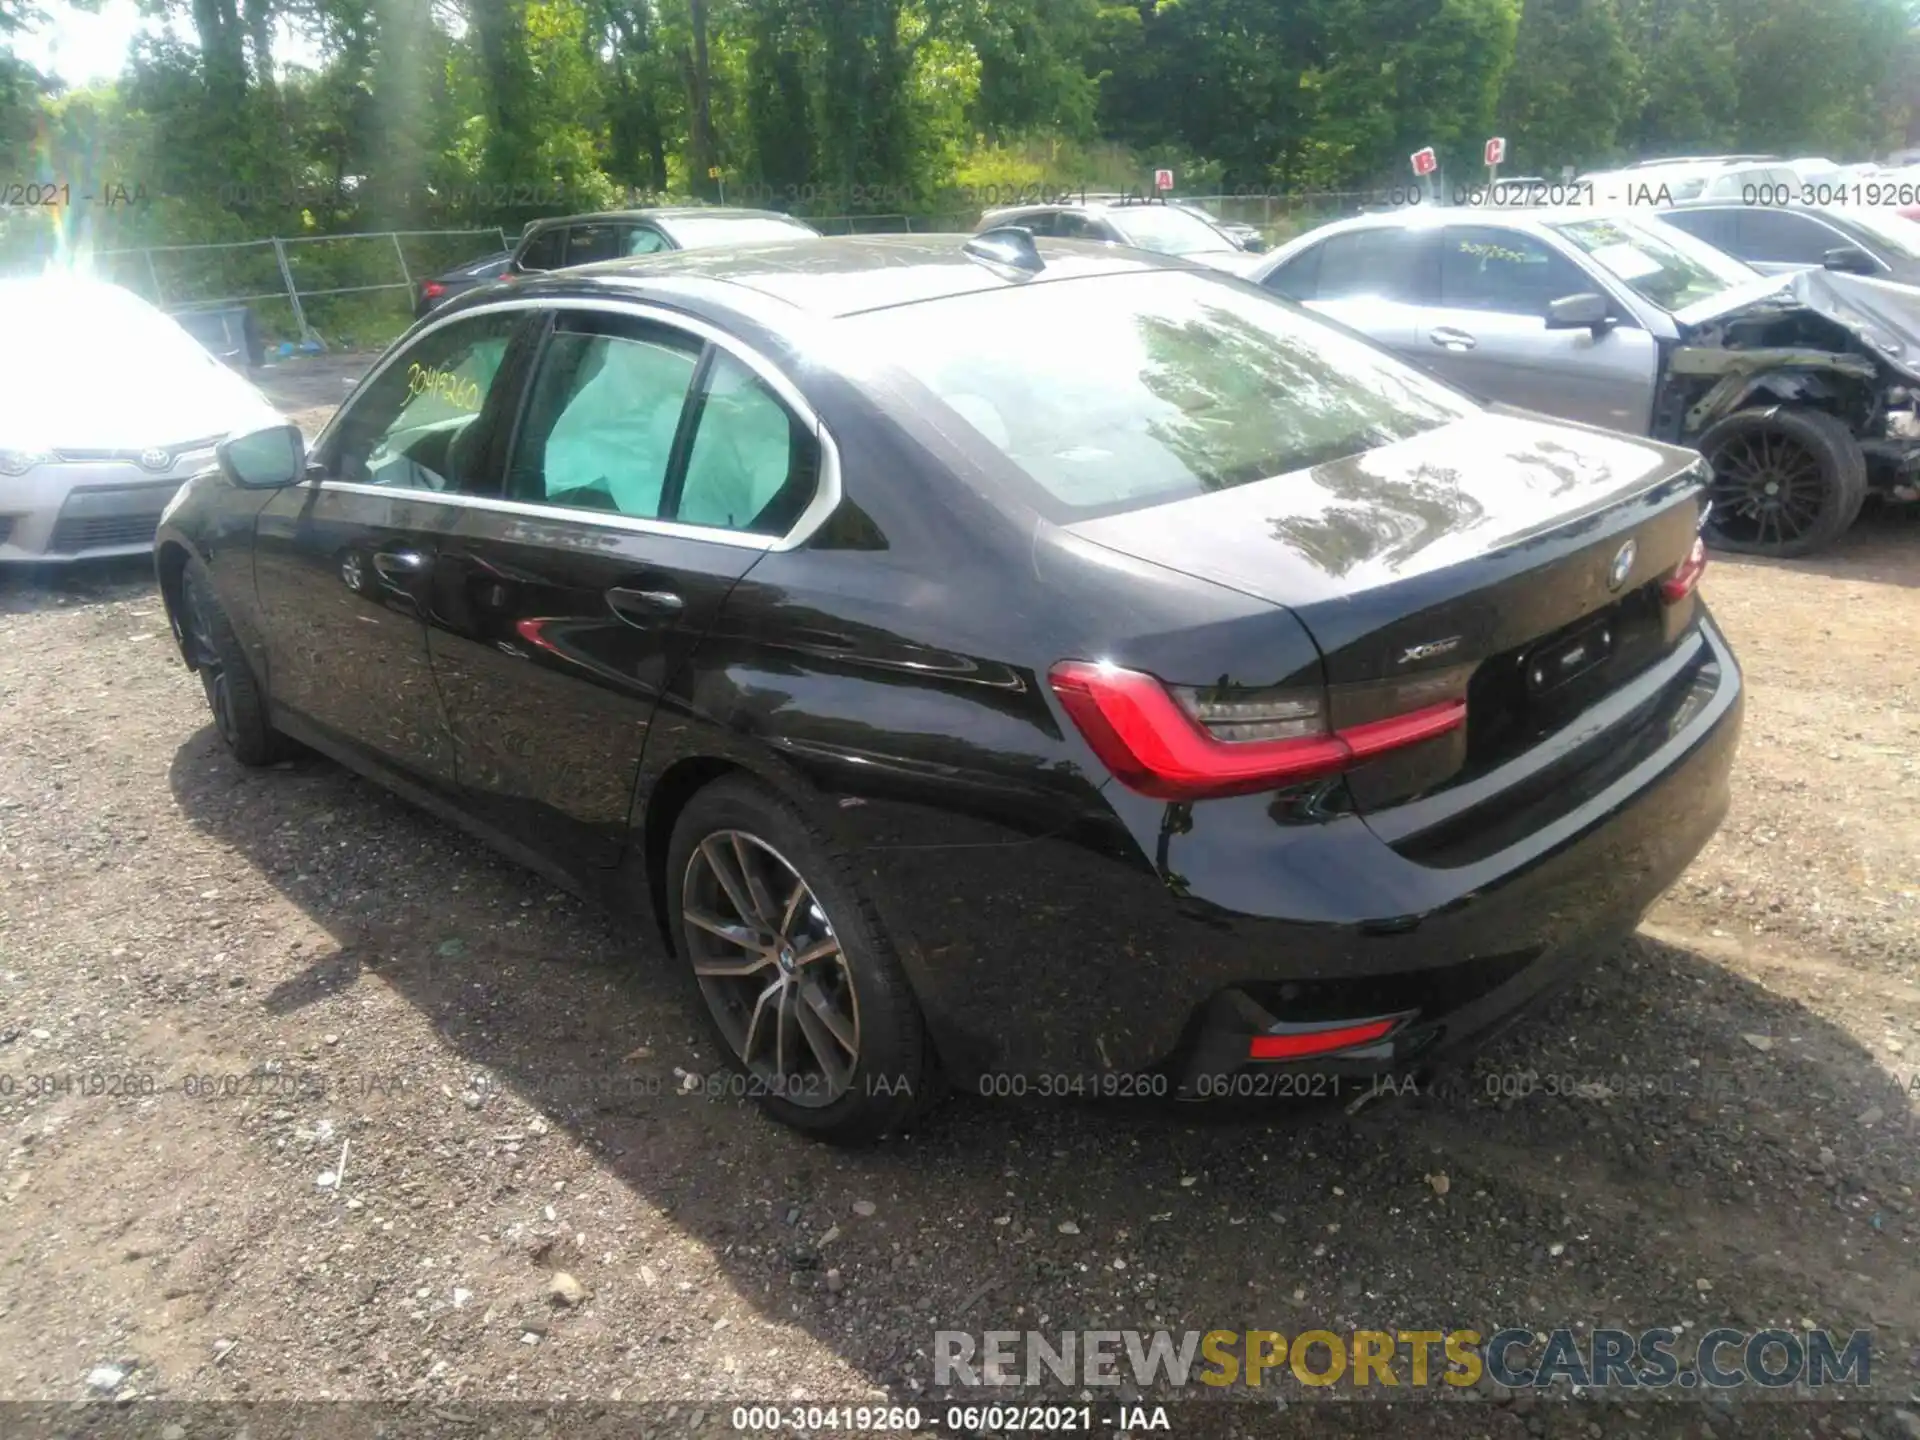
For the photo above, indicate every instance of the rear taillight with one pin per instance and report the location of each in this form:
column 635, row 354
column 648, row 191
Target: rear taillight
column 433, row 289
column 1684, row 578
column 1182, row 744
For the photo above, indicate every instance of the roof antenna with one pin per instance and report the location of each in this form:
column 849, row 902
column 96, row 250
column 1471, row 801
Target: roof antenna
column 1010, row 245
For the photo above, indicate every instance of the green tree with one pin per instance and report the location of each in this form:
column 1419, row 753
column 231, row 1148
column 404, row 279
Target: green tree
column 1574, row 85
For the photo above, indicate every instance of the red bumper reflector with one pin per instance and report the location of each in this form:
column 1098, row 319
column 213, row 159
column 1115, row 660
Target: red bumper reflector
column 433, row 288
column 1685, row 577
column 1298, row 1043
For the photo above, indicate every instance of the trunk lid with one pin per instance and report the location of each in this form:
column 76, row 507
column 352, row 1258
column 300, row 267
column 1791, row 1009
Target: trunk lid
column 1520, row 556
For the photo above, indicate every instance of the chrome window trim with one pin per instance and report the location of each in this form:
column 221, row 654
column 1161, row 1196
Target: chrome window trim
column 827, row 491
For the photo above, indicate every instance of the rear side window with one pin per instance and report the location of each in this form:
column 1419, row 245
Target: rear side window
column 1040, row 222
column 609, row 428
column 587, row 244
column 751, row 466
column 1069, row 225
column 1484, row 267
column 1779, row 237
column 1298, row 278
column 1381, row 262
column 1129, row 390
column 1716, row 227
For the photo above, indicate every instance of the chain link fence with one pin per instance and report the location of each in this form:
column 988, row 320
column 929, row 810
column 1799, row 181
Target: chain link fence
column 358, row 290
column 310, row 290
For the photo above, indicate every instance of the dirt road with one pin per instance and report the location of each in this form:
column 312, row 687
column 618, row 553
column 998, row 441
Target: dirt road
column 303, row 1095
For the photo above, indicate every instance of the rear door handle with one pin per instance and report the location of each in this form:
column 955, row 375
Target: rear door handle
column 1448, row 338
column 645, row 608
column 400, row 564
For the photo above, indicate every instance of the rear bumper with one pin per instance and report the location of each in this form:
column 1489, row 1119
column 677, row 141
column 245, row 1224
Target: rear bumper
column 1080, row 957
column 88, row 510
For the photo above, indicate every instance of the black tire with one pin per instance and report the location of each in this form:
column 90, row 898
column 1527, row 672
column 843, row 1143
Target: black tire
column 891, row 1074
column 1785, row 482
column 233, row 695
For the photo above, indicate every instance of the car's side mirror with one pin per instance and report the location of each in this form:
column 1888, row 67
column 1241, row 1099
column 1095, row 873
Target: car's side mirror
column 1255, row 244
column 264, row 460
column 1585, row 311
column 1850, row 260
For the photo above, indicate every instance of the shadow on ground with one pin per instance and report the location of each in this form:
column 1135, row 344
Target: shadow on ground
column 1883, row 548
column 1667, row 1143
column 25, row 589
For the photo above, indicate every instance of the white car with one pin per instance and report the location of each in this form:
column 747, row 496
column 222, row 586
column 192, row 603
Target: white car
column 106, row 408
column 1655, row 183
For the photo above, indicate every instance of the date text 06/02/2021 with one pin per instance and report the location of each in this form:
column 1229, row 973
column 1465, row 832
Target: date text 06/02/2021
column 992, row 1419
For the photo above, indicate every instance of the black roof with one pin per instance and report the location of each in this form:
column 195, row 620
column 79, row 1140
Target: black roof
column 843, row 275
column 664, row 212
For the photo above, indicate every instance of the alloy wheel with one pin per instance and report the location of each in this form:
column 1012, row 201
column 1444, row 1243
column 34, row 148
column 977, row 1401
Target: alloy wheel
column 1767, row 488
column 213, row 674
column 771, row 968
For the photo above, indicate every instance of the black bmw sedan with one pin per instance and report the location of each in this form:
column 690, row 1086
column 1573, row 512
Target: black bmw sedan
column 1031, row 668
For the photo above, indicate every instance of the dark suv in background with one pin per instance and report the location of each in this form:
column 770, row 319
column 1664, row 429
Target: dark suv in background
column 569, row 240
column 1165, row 228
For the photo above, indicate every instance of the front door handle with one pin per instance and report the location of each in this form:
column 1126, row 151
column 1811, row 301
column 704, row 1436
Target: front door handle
column 1448, row 338
column 399, row 565
column 644, row 608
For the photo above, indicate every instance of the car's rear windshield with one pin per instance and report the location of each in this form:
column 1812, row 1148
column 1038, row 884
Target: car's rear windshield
column 1123, row 391
column 697, row 232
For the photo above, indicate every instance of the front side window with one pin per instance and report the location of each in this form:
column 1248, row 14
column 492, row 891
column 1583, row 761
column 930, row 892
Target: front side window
column 416, row 425
column 600, row 422
column 1115, row 393
column 645, row 240
column 545, row 250
column 1484, row 267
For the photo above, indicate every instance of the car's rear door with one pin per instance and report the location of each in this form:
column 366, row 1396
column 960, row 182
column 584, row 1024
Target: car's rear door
column 343, row 563
column 652, row 461
column 1489, row 332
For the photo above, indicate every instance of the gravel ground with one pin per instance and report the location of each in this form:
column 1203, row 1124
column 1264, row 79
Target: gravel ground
column 432, row 1085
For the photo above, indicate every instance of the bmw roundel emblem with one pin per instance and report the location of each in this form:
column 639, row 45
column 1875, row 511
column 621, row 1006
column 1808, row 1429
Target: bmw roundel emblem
column 155, row 459
column 1622, row 565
